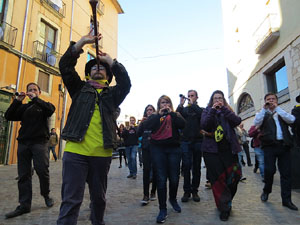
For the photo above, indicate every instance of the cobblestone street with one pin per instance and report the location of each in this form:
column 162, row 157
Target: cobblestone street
column 124, row 195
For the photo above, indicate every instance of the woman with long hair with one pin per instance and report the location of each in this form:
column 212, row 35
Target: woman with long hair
column 121, row 146
column 166, row 153
column 146, row 157
column 220, row 150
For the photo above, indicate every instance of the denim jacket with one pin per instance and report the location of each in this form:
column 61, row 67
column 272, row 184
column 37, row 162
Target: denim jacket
column 84, row 97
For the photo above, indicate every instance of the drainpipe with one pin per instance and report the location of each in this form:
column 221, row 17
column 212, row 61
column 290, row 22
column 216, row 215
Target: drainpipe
column 18, row 75
column 65, row 92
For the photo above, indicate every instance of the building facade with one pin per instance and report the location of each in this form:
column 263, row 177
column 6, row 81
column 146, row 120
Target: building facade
column 33, row 36
column 262, row 53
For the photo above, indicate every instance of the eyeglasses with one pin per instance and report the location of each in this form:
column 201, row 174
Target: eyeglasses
column 95, row 67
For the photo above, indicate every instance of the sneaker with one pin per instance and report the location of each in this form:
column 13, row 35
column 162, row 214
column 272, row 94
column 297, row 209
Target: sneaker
column 224, row 216
column 243, row 178
column 208, row 185
column 162, row 216
column 255, row 169
column 152, row 197
column 134, row 177
column 49, row 201
column 129, row 176
column 145, row 200
column 185, row 197
column 17, row 212
column 196, row 197
column 175, row 205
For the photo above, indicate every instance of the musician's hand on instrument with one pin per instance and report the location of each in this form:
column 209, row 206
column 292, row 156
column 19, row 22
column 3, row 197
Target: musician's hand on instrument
column 104, row 57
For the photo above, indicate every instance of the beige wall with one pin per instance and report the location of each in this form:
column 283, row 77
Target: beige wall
column 245, row 67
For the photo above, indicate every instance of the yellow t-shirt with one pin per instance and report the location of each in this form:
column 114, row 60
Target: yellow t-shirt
column 92, row 144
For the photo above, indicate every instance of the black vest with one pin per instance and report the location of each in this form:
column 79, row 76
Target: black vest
column 268, row 129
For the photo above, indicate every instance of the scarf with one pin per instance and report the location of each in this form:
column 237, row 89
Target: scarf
column 98, row 84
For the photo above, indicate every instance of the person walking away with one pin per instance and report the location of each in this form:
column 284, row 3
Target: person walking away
column 220, row 149
column 254, row 132
column 276, row 142
column 32, row 145
column 53, row 141
column 90, row 130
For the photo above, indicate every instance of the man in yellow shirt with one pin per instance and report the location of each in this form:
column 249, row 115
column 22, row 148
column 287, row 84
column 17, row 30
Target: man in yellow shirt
column 90, row 129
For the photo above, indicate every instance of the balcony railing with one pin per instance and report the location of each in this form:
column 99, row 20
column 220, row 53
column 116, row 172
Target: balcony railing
column 8, row 33
column 45, row 54
column 59, row 7
column 267, row 33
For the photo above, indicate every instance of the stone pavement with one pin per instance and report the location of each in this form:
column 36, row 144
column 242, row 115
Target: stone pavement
column 124, row 195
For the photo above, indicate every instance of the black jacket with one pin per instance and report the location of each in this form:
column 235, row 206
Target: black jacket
column 146, row 135
column 84, row 97
column 296, row 125
column 34, row 119
column 192, row 116
column 268, row 131
column 153, row 123
column 130, row 136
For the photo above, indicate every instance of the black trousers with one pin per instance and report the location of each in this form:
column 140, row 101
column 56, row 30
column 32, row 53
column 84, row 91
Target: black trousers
column 38, row 153
column 281, row 154
column 78, row 170
column 147, row 169
column 246, row 150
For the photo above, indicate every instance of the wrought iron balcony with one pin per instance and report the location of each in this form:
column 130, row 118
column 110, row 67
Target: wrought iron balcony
column 267, row 33
column 45, row 54
column 8, row 33
column 60, row 9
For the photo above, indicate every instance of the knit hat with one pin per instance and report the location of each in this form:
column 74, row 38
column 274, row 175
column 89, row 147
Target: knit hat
column 93, row 62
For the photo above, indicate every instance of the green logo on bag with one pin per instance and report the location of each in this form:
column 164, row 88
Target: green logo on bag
column 219, row 133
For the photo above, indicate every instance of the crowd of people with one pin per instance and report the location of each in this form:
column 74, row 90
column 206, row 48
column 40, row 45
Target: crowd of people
column 172, row 142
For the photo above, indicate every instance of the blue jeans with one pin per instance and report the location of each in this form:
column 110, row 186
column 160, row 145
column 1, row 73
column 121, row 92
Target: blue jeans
column 131, row 157
column 240, row 155
column 166, row 163
column 191, row 160
column 261, row 163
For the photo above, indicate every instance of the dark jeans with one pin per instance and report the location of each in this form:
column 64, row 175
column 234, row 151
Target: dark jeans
column 191, row 160
column 166, row 163
column 38, row 153
column 282, row 155
column 122, row 152
column 77, row 170
column 246, row 150
column 52, row 149
column 147, row 168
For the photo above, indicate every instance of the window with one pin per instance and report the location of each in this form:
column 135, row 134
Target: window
column 246, row 103
column 276, row 77
column 2, row 8
column 47, row 37
column 43, row 81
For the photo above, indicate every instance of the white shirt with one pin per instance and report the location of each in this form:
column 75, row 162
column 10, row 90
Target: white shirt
column 287, row 117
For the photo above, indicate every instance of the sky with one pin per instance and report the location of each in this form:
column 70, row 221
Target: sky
column 169, row 47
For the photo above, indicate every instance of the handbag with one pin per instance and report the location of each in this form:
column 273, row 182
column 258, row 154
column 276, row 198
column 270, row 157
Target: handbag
column 165, row 130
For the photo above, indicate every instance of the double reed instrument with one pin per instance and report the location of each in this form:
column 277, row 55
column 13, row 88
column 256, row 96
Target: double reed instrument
column 93, row 4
